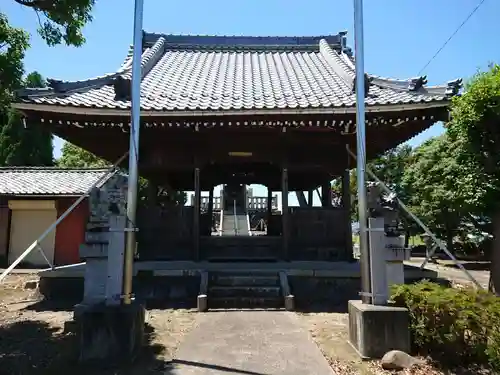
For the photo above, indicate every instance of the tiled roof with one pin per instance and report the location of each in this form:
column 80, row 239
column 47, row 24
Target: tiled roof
column 48, row 181
column 188, row 73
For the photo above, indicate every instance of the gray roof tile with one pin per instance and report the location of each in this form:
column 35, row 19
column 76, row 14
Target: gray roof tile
column 185, row 73
column 48, row 181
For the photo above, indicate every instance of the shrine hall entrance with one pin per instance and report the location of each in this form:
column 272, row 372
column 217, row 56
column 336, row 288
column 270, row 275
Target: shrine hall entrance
column 234, row 238
column 238, row 226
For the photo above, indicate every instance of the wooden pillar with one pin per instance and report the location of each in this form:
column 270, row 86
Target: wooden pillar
column 285, row 214
column 152, row 194
column 245, row 197
column 310, row 197
column 346, row 205
column 211, row 207
column 269, row 204
column 196, row 215
column 326, row 194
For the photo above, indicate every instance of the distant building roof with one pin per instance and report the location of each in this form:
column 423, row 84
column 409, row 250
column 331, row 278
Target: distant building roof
column 222, row 73
column 47, row 181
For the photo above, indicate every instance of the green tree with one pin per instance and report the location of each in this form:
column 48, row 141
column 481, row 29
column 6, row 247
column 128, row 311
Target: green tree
column 13, row 45
column 389, row 167
column 61, row 21
column 430, row 182
column 20, row 143
column 76, row 157
column 474, row 129
column 34, row 80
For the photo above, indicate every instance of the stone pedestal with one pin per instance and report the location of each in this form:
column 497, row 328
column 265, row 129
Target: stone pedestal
column 202, row 303
column 109, row 335
column 289, row 303
column 375, row 330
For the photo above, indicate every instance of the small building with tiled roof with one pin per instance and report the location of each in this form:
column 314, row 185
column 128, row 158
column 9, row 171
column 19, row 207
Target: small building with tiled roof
column 31, row 200
column 237, row 110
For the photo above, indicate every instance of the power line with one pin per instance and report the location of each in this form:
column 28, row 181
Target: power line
column 452, row 35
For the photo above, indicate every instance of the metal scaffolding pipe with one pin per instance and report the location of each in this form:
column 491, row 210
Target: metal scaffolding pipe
column 133, row 167
column 361, row 150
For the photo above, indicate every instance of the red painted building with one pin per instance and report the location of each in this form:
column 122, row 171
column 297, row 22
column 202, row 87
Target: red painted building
column 31, row 200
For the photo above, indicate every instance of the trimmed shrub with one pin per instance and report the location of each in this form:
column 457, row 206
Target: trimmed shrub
column 456, row 326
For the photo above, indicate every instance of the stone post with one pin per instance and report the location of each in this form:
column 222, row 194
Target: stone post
column 109, row 331
column 104, row 243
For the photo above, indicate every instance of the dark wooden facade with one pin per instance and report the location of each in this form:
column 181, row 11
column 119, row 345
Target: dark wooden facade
column 284, row 156
column 201, row 126
column 313, row 148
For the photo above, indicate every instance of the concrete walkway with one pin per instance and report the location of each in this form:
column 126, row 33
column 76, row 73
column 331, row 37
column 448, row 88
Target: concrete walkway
column 249, row 343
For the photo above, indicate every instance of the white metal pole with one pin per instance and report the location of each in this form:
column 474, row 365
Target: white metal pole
column 361, row 150
column 103, row 178
column 133, row 168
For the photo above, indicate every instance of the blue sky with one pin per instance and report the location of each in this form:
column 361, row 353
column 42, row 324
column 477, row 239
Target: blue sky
column 400, row 35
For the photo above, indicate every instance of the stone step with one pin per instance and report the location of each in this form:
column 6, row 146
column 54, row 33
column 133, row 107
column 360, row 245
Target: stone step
column 246, row 280
column 231, row 258
column 245, row 302
column 253, row 291
column 244, row 272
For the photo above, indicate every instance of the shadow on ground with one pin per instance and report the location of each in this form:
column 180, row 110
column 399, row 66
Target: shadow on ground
column 208, row 366
column 36, row 348
column 69, row 305
column 472, row 266
column 52, row 305
column 322, row 308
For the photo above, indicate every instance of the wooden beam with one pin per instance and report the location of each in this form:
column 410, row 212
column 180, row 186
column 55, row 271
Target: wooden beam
column 326, row 194
column 346, row 205
column 301, row 198
column 211, row 206
column 269, row 204
column 152, row 194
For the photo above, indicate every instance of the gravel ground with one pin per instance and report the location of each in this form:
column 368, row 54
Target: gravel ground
column 330, row 332
column 32, row 339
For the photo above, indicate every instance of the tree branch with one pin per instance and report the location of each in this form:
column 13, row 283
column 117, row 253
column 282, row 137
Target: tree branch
column 44, row 5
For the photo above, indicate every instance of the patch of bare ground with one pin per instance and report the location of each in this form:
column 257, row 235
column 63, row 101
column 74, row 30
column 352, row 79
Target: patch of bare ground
column 330, row 332
column 33, row 340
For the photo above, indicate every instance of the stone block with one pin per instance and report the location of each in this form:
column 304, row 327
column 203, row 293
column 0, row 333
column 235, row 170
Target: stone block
column 202, row 302
column 289, row 303
column 375, row 330
column 97, row 237
column 109, row 336
column 93, row 250
column 95, row 280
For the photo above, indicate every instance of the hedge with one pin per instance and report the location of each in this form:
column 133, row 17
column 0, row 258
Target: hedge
column 456, row 326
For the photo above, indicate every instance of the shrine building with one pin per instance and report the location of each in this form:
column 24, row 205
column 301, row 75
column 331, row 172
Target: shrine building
column 235, row 111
